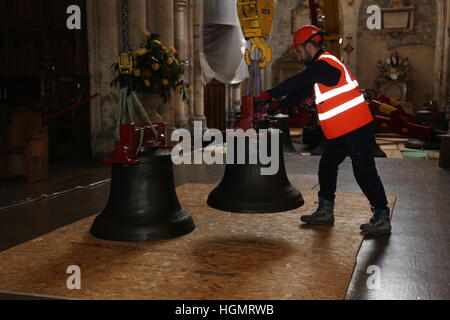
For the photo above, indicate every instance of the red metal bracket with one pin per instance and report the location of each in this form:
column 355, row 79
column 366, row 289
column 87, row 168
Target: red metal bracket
column 250, row 114
column 131, row 136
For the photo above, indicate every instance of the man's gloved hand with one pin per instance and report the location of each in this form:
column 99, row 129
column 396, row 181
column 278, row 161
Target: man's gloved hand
column 271, row 107
column 259, row 104
column 274, row 107
column 265, row 96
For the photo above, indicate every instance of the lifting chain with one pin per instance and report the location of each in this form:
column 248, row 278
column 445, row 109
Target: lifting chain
column 125, row 58
column 125, row 37
column 129, row 103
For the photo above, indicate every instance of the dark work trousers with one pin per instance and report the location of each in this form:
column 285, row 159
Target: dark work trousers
column 358, row 145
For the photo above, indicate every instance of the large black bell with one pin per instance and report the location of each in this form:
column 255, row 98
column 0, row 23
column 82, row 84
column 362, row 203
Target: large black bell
column 143, row 204
column 244, row 189
column 282, row 121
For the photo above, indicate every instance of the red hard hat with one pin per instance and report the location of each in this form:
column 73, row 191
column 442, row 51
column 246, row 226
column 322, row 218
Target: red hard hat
column 307, row 33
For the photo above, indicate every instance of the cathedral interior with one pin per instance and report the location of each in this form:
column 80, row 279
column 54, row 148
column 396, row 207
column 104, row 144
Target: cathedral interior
column 93, row 92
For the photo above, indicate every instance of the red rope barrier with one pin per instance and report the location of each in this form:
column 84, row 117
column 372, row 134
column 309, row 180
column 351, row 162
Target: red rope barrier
column 61, row 112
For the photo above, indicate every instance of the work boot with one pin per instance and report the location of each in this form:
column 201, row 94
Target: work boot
column 379, row 224
column 323, row 215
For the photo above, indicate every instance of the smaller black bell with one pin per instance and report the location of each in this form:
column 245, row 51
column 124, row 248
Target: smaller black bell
column 143, row 204
column 244, row 189
column 283, row 125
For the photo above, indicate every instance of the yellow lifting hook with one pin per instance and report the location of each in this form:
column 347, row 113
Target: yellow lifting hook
column 256, row 18
column 266, row 52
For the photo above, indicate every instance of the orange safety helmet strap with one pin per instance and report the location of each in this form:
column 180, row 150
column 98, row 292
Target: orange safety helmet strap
column 319, row 33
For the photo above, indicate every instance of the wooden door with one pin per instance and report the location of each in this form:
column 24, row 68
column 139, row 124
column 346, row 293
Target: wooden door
column 215, row 105
column 331, row 25
column 44, row 67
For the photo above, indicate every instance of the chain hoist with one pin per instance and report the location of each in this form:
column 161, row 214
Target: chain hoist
column 125, row 57
column 256, row 18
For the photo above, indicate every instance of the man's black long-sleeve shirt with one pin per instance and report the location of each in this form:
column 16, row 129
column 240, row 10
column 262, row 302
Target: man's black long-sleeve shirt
column 301, row 86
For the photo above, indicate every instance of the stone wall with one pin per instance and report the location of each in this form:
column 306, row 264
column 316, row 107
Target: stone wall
column 281, row 36
column 177, row 22
column 418, row 46
column 103, row 46
column 427, row 48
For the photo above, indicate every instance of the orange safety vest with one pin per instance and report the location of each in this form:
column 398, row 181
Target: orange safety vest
column 341, row 108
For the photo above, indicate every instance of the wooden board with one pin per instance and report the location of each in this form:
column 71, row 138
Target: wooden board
column 382, row 142
column 391, row 146
column 393, row 154
column 433, row 155
column 296, row 132
column 387, row 135
column 391, row 140
column 228, row 256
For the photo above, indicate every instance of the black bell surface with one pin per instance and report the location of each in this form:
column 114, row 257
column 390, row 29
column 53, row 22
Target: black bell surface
column 282, row 121
column 143, row 204
column 244, row 189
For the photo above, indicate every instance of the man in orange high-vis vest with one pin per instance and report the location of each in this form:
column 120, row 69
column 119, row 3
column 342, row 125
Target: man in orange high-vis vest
column 346, row 122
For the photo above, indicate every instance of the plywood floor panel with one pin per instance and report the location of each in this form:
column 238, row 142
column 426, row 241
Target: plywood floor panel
column 228, row 256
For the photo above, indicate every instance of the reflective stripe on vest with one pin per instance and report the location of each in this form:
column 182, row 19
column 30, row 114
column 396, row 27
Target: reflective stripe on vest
column 343, row 107
column 351, row 84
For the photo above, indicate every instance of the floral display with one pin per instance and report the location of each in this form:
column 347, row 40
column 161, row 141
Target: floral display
column 156, row 70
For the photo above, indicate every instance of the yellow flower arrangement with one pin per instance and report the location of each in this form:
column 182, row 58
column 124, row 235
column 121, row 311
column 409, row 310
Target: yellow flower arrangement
column 141, row 52
column 156, row 70
column 137, row 72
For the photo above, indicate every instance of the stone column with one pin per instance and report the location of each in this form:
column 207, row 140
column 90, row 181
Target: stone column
column 236, row 97
column 228, row 106
column 445, row 94
column 199, row 89
column 181, row 117
column 439, row 49
column 445, row 70
column 160, row 20
column 103, row 25
column 151, row 16
column 441, row 56
column 138, row 27
column 163, row 19
column 233, row 103
column 191, row 58
column 349, row 13
column 137, row 21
